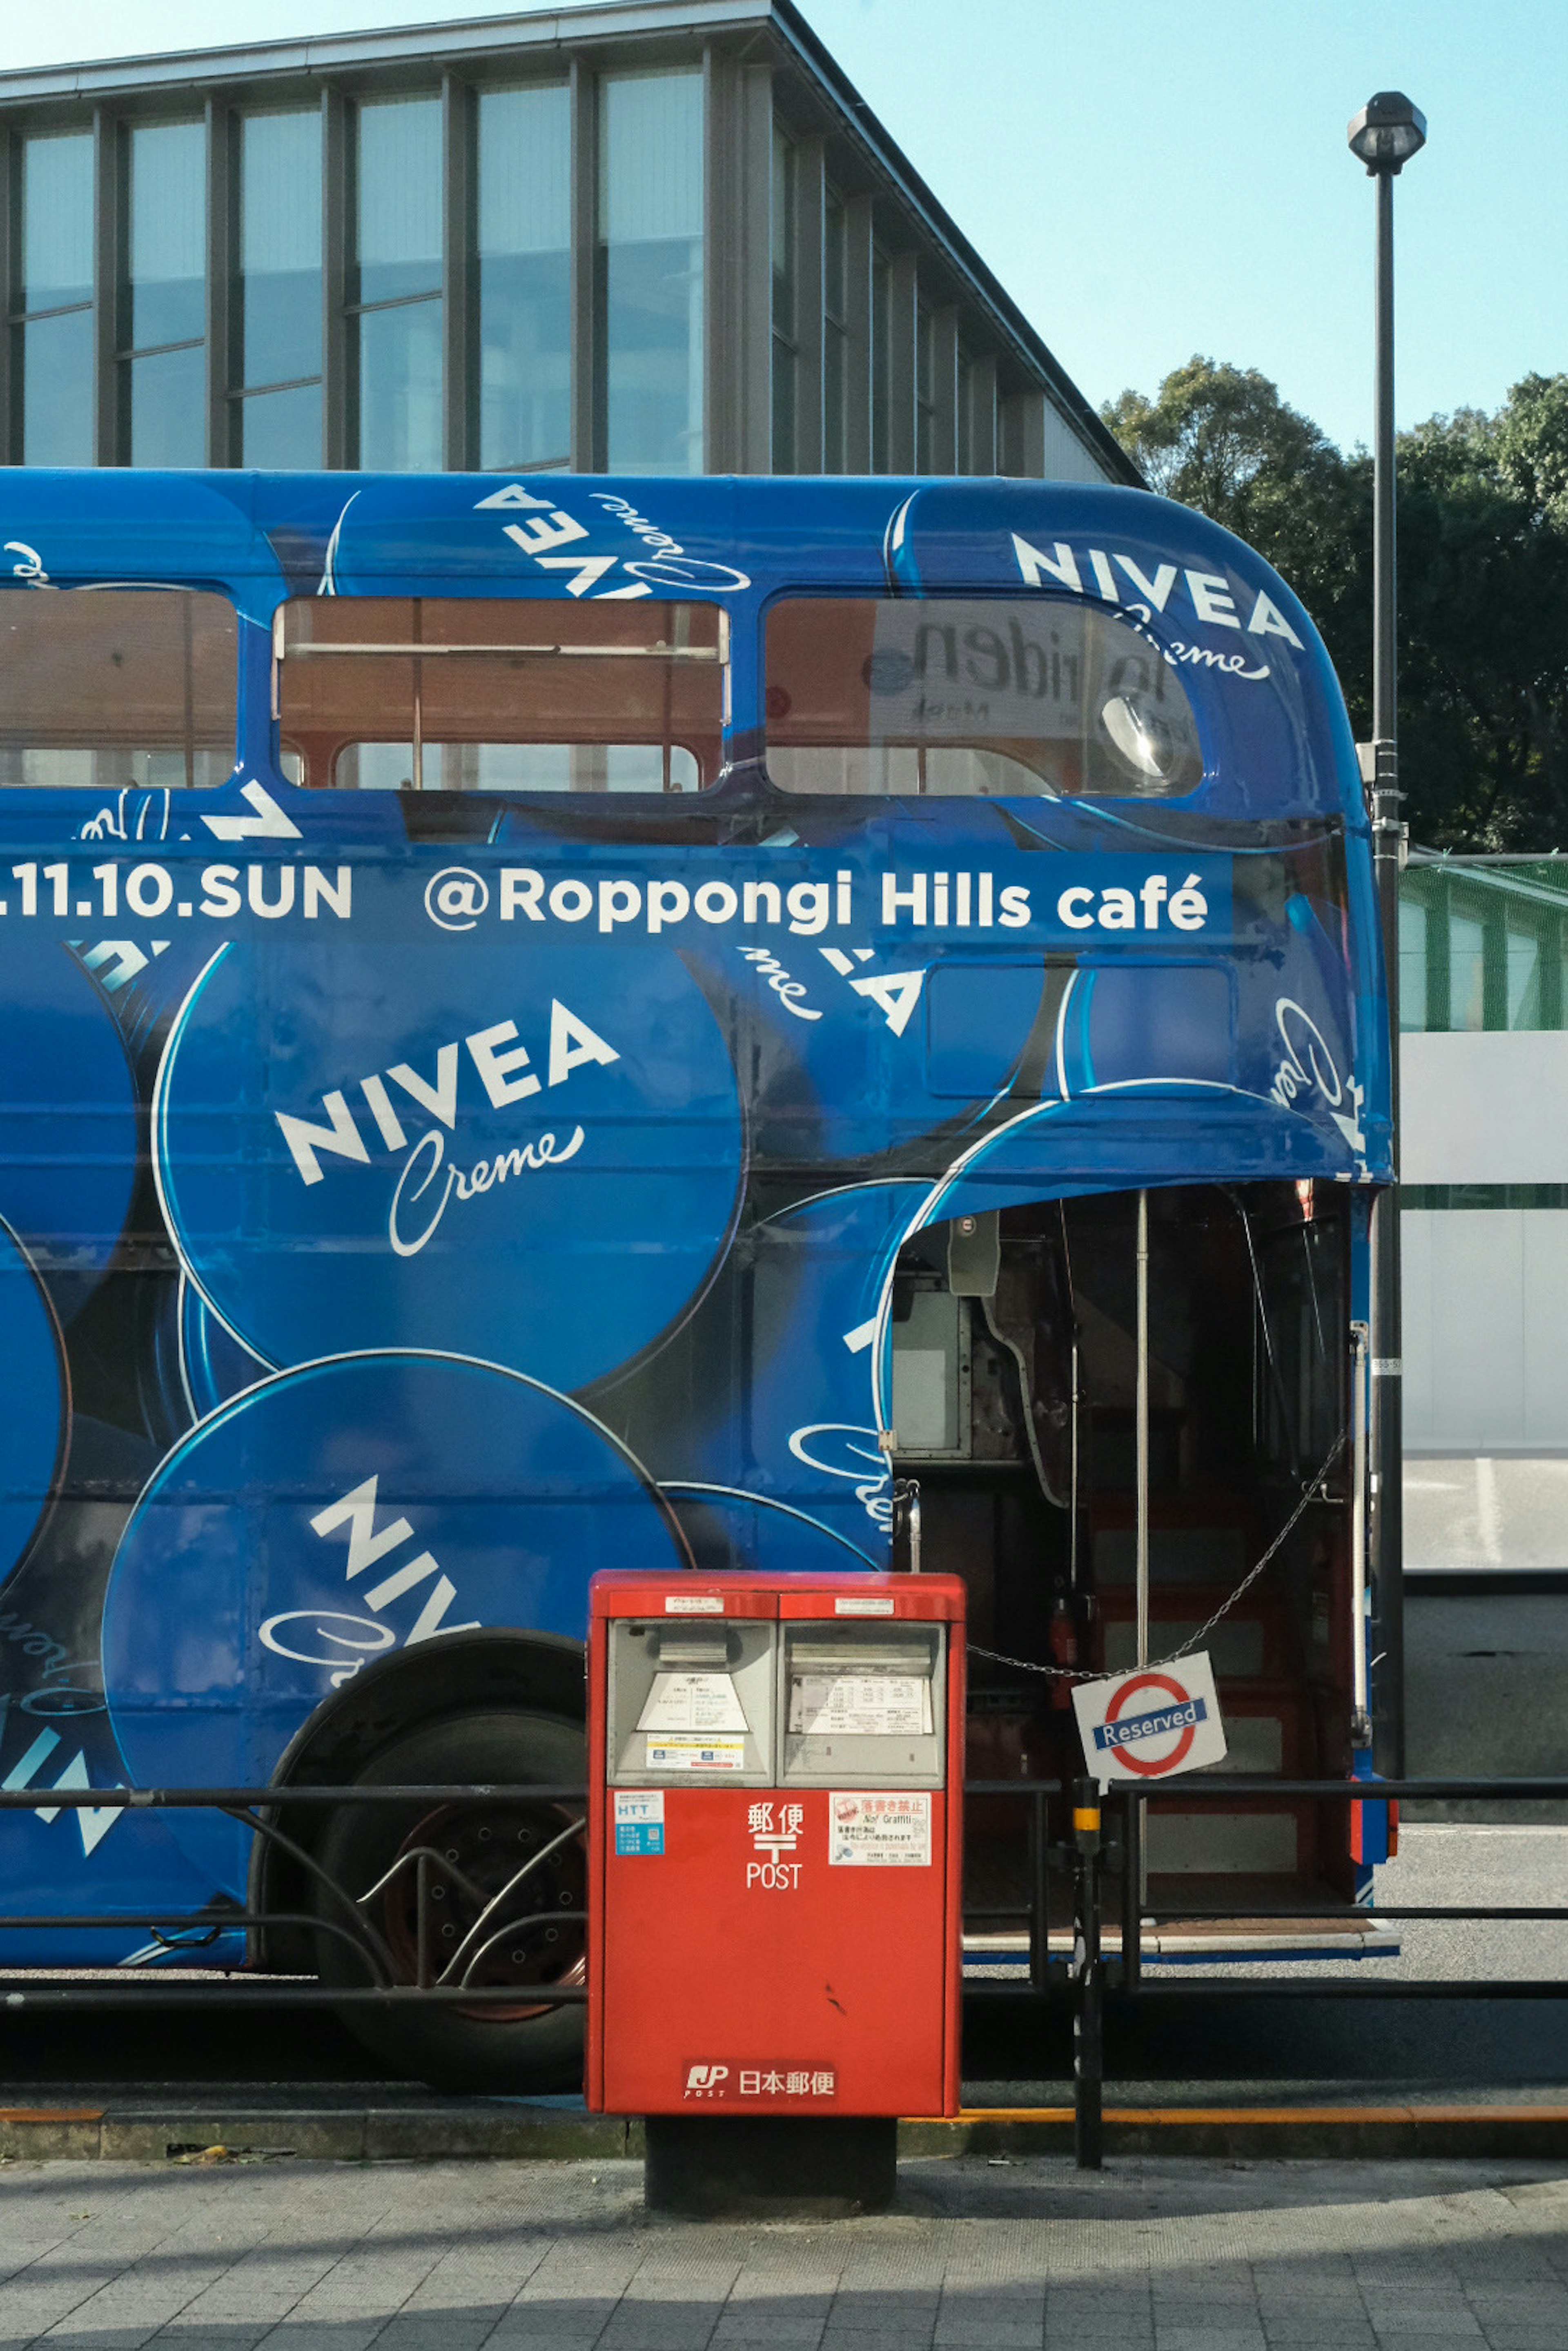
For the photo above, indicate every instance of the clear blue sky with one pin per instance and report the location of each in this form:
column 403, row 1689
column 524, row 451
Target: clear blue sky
column 1158, row 177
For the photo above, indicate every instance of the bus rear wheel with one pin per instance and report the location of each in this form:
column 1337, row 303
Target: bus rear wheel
column 492, row 1895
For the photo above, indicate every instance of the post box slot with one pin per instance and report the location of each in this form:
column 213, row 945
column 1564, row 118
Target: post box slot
column 691, row 1704
column 863, row 1708
column 711, row 1650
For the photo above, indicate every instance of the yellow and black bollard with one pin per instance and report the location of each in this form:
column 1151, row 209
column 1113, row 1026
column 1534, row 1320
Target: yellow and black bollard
column 1088, row 1981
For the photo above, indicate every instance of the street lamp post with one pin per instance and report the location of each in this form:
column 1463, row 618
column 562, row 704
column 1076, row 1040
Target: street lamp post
column 1384, row 136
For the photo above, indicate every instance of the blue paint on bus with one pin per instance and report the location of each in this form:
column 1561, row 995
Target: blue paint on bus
column 527, row 1170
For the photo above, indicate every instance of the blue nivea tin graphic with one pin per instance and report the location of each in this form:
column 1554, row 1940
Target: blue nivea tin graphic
column 70, row 1111
column 332, row 1516
column 32, row 1430
column 532, row 1157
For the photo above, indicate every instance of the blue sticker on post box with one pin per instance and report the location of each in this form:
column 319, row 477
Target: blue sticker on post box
column 640, row 1820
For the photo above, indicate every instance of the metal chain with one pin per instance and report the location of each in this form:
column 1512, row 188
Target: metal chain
column 1076, row 1673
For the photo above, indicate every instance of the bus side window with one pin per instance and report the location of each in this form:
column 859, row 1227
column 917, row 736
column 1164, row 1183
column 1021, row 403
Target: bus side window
column 964, row 697
column 110, row 688
column 487, row 695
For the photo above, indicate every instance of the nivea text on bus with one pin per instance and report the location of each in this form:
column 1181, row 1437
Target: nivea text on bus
column 503, row 1066
column 1211, row 595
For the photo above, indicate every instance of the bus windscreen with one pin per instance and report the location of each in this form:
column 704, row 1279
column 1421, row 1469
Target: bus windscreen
column 969, row 698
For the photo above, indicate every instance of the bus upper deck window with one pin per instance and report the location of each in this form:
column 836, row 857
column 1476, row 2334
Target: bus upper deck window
column 482, row 694
column 968, row 697
column 108, row 688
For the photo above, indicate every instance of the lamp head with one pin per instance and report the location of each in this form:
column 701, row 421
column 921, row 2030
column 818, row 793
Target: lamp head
column 1387, row 131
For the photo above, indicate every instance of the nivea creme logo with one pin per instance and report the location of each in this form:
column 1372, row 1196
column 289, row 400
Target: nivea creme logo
column 530, row 1158
column 330, row 1516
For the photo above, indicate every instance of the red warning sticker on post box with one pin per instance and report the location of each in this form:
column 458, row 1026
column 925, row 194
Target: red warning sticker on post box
column 1152, row 1723
column 880, row 1832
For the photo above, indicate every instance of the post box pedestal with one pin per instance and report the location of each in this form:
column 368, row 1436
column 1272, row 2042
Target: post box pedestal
column 770, row 2167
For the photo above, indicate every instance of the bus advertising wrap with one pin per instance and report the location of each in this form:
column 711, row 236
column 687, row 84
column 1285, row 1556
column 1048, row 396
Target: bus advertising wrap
column 412, row 1201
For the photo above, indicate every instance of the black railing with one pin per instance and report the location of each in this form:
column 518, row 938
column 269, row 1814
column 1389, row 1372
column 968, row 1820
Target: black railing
column 257, row 1809
column 1089, row 1971
column 1082, row 1854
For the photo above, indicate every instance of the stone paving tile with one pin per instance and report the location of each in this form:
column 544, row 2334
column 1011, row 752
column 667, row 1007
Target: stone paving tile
column 197, row 2335
column 1350, row 2331
column 753, row 2323
column 1003, row 2334
column 765, row 2342
column 1136, row 2332
column 513, row 2257
column 1209, row 2338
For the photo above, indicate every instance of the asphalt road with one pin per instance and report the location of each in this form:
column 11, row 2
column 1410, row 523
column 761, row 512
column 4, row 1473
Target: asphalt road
column 1486, row 1688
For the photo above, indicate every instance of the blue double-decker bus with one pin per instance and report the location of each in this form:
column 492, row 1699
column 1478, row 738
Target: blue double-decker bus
column 564, row 1022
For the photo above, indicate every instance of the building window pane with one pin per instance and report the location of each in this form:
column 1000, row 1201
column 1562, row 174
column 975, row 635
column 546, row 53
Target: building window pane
column 525, row 278
column 399, row 199
column 281, row 431
column 57, row 221
column 168, row 398
column 835, row 329
column 1523, row 978
column 281, row 249
column 168, row 234
column 651, row 271
column 400, row 388
column 1412, row 963
column 881, row 328
column 786, row 346
column 963, row 396
column 56, row 389
column 1467, row 972
column 398, row 263
column 168, row 221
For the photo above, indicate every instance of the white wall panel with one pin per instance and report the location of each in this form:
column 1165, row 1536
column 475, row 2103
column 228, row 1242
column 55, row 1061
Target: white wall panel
column 1415, row 1264
column 1486, row 1106
column 1544, row 1326
column 1486, row 1329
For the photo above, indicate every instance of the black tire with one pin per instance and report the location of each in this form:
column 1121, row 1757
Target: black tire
column 454, row 2048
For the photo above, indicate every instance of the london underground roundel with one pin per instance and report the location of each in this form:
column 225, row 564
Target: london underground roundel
column 527, row 1156
column 336, row 1515
column 1153, row 1722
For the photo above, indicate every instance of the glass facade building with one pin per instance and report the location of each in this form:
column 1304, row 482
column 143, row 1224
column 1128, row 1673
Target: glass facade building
column 1483, row 943
column 657, row 237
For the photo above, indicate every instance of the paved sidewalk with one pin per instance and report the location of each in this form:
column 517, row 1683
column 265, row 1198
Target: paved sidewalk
column 1147, row 2256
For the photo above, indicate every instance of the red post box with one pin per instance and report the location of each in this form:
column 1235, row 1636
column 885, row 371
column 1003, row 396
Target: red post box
column 774, row 1841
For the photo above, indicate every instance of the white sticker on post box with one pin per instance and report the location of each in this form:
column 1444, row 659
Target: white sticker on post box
column 891, row 1832
column 638, row 1819
column 675, row 1754
column 693, row 1604
column 861, row 1706
column 681, row 1701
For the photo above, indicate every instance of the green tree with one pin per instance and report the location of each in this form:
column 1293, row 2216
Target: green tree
column 1483, row 566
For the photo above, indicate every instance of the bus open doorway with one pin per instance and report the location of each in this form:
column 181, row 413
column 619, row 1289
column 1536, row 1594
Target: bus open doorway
column 1017, row 1348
